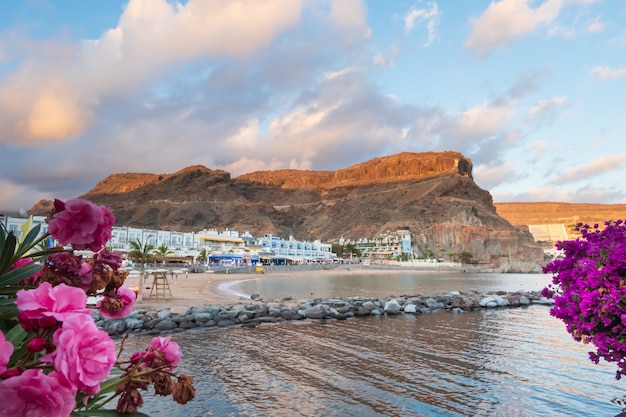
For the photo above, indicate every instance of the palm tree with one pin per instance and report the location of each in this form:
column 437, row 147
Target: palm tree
column 142, row 253
column 163, row 250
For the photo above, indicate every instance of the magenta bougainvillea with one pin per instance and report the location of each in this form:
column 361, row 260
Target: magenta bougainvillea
column 589, row 290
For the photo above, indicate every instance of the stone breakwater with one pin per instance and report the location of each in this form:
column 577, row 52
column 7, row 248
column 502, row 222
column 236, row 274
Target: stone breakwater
column 253, row 312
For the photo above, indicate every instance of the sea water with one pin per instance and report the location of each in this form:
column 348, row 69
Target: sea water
column 499, row 362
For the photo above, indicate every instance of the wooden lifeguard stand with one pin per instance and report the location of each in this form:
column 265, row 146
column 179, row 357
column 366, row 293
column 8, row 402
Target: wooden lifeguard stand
column 160, row 285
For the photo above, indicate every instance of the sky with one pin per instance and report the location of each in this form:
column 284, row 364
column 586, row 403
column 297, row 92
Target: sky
column 531, row 91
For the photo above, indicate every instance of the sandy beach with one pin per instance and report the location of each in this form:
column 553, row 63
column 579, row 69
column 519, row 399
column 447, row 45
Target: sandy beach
column 197, row 289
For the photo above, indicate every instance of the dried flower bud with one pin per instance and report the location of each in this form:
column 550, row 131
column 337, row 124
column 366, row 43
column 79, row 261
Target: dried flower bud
column 184, row 390
column 129, row 401
column 163, row 384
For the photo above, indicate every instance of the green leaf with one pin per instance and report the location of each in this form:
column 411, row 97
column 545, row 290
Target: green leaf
column 29, row 241
column 8, row 252
column 16, row 335
column 18, row 274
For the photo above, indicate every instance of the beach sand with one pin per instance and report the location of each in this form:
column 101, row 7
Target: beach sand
column 198, row 289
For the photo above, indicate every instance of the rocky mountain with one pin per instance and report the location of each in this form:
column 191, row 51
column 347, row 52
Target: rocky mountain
column 431, row 194
column 570, row 214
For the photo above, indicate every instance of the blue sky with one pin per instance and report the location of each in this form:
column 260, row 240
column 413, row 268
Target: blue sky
column 531, row 91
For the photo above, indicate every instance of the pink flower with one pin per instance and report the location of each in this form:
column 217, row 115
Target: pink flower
column 118, row 307
column 84, row 354
column 34, row 393
column 6, row 350
column 81, row 224
column 46, row 305
column 171, row 351
column 85, row 275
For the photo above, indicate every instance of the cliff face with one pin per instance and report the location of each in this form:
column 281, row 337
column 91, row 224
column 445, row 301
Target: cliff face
column 431, row 194
column 570, row 214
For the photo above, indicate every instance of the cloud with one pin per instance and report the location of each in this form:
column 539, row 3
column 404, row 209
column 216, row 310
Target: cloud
column 607, row 73
column 430, row 16
column 599, row 166
column 596, row 26
column 483, row 120
column 53, row 95
column 382, row 60
column 547, row 111
column 490, row 176
column 507, row 21
column 14, row 196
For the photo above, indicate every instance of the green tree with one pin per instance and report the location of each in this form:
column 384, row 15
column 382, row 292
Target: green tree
column 428, row 252
column 337, row 249
column 142, row 253
column 466, row 257
column 163, row 250
column 203, row 255
column 351, row 249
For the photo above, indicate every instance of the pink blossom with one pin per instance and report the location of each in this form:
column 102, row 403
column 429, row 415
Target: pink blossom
column 34, row 394
column 84, row 355
column 123, row 303
column 46, row 305
column 81, row 224
column 170, row 350
column 6, row 350
column 86, row 276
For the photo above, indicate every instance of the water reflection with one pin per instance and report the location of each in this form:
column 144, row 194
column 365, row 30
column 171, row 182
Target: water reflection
column 509, row 362
column 385, row 284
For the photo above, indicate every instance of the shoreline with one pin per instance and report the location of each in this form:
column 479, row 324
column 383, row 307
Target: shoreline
column 204, row 300
column 214, row 288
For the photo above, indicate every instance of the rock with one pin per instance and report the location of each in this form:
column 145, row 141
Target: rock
column 134, row 324
column 114, row 326
column 163, row 314
column 289, row 314
column 369, row 305
column 433, row 304
column 202, row 317
column 165, row 324
column 188, row 325
column 316, row 313
column 392, row 307
column 410, row 309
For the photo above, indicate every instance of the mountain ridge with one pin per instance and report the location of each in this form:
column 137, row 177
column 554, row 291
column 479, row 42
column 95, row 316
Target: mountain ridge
column 431, row 194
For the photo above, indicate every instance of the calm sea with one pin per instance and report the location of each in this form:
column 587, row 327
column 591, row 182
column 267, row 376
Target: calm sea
column 502, row 362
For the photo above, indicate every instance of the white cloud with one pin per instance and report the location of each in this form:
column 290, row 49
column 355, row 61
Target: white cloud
column 607, row 73
column 547, row 110
column 600, row 165
column 52, row 96
column 508, row 20
column 385, row 60
column 351, row 15
column 596, row 26
column 490, row 176
column 430, row 16
column 14, row 197
column 484, row 120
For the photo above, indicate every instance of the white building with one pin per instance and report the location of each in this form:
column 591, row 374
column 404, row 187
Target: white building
column 243, row 246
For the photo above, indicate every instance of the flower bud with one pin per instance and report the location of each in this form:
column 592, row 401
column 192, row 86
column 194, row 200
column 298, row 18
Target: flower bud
column 184, row 390
column 37, row 344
